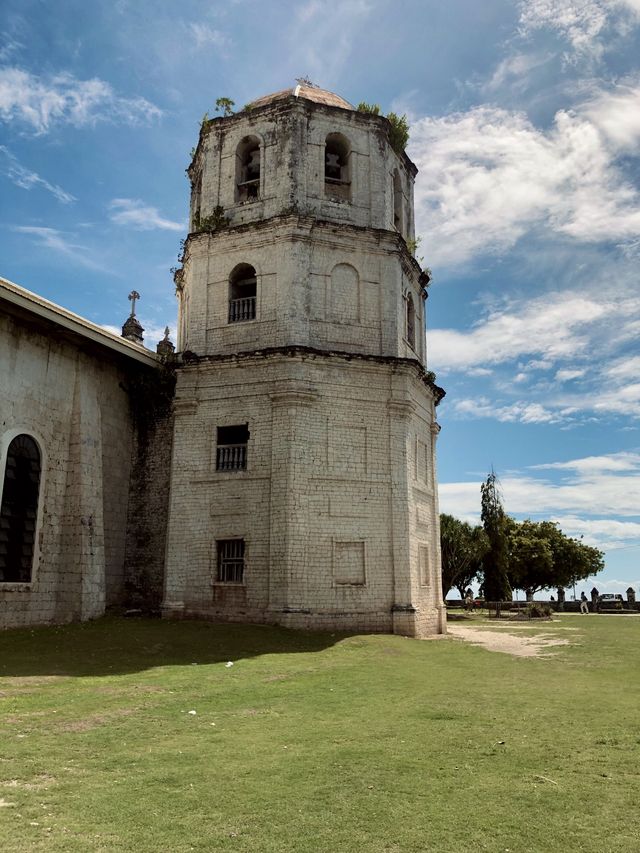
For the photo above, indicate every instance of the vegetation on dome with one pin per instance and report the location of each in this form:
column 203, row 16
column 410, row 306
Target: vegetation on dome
column 399, row 133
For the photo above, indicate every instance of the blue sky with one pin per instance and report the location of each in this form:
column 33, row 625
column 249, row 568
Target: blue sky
column 525, row 124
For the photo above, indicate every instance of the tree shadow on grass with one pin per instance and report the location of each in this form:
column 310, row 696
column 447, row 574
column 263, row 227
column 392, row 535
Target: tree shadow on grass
column 117, row 646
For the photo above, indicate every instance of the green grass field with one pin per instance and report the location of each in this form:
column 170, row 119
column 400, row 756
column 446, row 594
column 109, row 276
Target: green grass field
column 317, row 742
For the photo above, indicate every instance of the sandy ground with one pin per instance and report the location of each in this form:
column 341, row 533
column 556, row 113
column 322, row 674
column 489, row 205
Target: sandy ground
column 510, row 644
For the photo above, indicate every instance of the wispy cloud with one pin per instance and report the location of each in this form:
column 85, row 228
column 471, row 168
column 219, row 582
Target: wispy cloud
column 518, row 412
column 488, row 176
column 581, row 23
column 27, row 180
column 320, row 40
column 554, row 326
column 9, row 45
column 540, row 352
column 143, row 217
column 60, row 243
column 587, row 465
column 40, row 102
column 515, row 71
column 203, row 35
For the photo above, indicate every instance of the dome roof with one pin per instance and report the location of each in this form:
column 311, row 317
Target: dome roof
column 310, row 93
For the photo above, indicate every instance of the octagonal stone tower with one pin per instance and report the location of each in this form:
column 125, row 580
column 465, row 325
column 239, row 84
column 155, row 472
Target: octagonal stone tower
column 303, row 484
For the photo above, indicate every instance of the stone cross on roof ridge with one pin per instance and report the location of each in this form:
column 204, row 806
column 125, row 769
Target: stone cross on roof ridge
column 133, row 296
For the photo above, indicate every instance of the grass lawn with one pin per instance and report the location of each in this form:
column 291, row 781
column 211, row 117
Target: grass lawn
column 317, row 742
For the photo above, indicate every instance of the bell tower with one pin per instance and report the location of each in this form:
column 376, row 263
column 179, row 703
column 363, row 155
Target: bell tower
column 303, row 474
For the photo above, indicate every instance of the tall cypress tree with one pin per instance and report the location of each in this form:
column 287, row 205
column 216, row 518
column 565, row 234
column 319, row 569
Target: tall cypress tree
column 496, row 561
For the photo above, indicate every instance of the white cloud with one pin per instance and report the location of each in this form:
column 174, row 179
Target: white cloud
column 205, row 36
column 58, row 242
column 488, row 176
column 624, row 461
column 9, row 46
column 321, row 36
column 554, row 326
column 520, row 411
column 142, row 217
column 615, row 534
column 42, row 102
column 580, row 22
column 567, row 374
column 27, row 180
column 514, row 71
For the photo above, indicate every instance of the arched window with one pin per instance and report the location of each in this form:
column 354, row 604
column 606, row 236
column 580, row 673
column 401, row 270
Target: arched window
column 411, row 321
column 397, row 203
column 19, row 510
column 242, row 294
column 195, row 203
column 337, row 170
column 248, row 169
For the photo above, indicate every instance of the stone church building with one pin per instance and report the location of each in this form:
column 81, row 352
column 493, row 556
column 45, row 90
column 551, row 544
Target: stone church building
column 280, row 466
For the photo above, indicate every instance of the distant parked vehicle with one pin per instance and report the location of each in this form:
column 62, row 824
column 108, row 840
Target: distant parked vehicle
column 610, row 601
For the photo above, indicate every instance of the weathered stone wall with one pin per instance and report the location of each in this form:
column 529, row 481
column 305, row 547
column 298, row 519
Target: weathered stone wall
column 149, row 496
column 337, row 511
column 72, row 401
column 337, row 506
column 318, row 284
column 292, row 136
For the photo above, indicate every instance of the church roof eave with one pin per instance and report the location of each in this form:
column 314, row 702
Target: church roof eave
column 35, row 305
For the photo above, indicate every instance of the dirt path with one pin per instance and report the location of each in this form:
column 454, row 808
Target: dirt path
column 510, row 644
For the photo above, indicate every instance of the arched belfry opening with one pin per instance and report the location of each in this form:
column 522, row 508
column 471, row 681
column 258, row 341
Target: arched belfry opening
column 411, row 321
column 243, row 285
column 398, row 218
column 248, row 166
column 19, row 510
column 337, row 167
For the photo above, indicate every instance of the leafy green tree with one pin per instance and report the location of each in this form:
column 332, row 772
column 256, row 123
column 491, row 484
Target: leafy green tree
column 531, row 562
column 463, row 548
column 496, row 560
column 225, row 106
column 541, row 556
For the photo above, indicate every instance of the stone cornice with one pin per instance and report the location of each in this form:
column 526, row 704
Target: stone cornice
column 298, row 351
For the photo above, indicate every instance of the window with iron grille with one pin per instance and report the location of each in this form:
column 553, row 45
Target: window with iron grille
column 231, row 450
column 230, row 560
column 19, row 510
column 242, row 294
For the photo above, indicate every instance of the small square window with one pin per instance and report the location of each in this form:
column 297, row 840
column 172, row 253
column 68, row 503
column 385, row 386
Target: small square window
column 230, row 560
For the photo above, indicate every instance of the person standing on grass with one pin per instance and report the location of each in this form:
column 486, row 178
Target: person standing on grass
column 584, row 604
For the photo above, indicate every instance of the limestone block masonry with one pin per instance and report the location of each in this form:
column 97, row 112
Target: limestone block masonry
column 303, row 477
